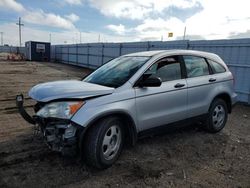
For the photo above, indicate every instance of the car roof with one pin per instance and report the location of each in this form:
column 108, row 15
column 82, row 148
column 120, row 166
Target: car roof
column 147, row 53
column 174, row 52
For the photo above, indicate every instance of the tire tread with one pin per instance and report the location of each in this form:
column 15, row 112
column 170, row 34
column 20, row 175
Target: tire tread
column 209, row 125
column 92, row 140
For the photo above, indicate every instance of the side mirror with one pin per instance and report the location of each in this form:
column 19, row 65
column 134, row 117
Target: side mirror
column 150, row 82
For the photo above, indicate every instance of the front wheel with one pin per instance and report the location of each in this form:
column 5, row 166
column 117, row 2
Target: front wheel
column 217, row 118
column 103, row 143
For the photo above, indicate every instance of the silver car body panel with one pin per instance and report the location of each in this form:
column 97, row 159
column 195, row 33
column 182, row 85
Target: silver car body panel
column 122, row 100
column 161, row 105
column 201, row 92
column 67, row 89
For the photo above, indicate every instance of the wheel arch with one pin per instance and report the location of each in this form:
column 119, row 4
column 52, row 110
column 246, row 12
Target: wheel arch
column 226, row 97
column 130, row 127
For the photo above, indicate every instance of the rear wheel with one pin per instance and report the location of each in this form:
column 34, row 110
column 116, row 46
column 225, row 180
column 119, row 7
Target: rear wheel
column 103, row 143
column 218, row 114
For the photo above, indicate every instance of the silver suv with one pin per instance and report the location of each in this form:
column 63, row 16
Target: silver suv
column 128, row 97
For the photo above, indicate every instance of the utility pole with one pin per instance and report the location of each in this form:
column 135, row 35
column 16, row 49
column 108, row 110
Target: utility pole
column 76, row 37
column 20, row 34
column 80, row 37
column 99, row 38
column 184, row 35
column 50, row 38
column 1, row 38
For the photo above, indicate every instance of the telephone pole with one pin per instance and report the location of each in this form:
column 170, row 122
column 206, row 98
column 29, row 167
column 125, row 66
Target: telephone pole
column 184, row 34
column 99, row 38
column 76, row 37
column 20, row 34
column 80, row 37
column 1, row 38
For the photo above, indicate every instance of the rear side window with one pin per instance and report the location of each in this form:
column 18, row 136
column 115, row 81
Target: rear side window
column 167, row 69
column 216, row 67
column 196, row 66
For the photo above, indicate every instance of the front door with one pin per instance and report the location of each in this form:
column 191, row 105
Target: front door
column 164, row 104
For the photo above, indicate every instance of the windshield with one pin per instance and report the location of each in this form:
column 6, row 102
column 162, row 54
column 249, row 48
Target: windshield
column 116, row 72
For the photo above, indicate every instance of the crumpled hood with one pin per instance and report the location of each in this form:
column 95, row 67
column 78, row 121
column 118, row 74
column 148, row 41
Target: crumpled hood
column 67, row 89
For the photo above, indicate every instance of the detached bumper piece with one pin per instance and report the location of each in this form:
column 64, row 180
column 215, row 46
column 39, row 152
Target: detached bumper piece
column 59, row 134
column 22, row 111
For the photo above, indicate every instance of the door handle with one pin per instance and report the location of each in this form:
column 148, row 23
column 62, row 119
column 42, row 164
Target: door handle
column 212, row 80
column 179, row 85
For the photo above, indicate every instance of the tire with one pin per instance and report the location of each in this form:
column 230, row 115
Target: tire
column 217, row 116
column 103, row 143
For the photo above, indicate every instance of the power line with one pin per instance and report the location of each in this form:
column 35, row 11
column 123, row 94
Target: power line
column 7, row 20
column 20, row 34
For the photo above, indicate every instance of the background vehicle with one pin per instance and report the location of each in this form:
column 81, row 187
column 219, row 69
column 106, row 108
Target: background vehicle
column 129, row 97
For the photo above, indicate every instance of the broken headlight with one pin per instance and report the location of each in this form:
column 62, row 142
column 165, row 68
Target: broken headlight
column 64, row 110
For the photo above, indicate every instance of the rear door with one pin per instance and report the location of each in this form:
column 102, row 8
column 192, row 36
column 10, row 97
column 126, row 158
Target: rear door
column 199, row 83
column 165, row 104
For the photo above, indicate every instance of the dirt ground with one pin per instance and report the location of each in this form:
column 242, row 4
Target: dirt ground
column 186, row 157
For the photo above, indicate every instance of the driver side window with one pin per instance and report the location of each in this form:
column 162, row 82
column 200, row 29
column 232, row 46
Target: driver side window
column 167, row 69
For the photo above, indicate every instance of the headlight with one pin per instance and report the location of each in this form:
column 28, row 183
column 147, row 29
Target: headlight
column 63, row 110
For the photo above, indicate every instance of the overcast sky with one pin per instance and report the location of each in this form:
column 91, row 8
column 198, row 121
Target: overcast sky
column 123, row 20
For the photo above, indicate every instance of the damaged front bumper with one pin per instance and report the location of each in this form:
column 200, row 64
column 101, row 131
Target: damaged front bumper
column 60, row 134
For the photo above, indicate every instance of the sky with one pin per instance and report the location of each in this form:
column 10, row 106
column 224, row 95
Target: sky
column 75, row 21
